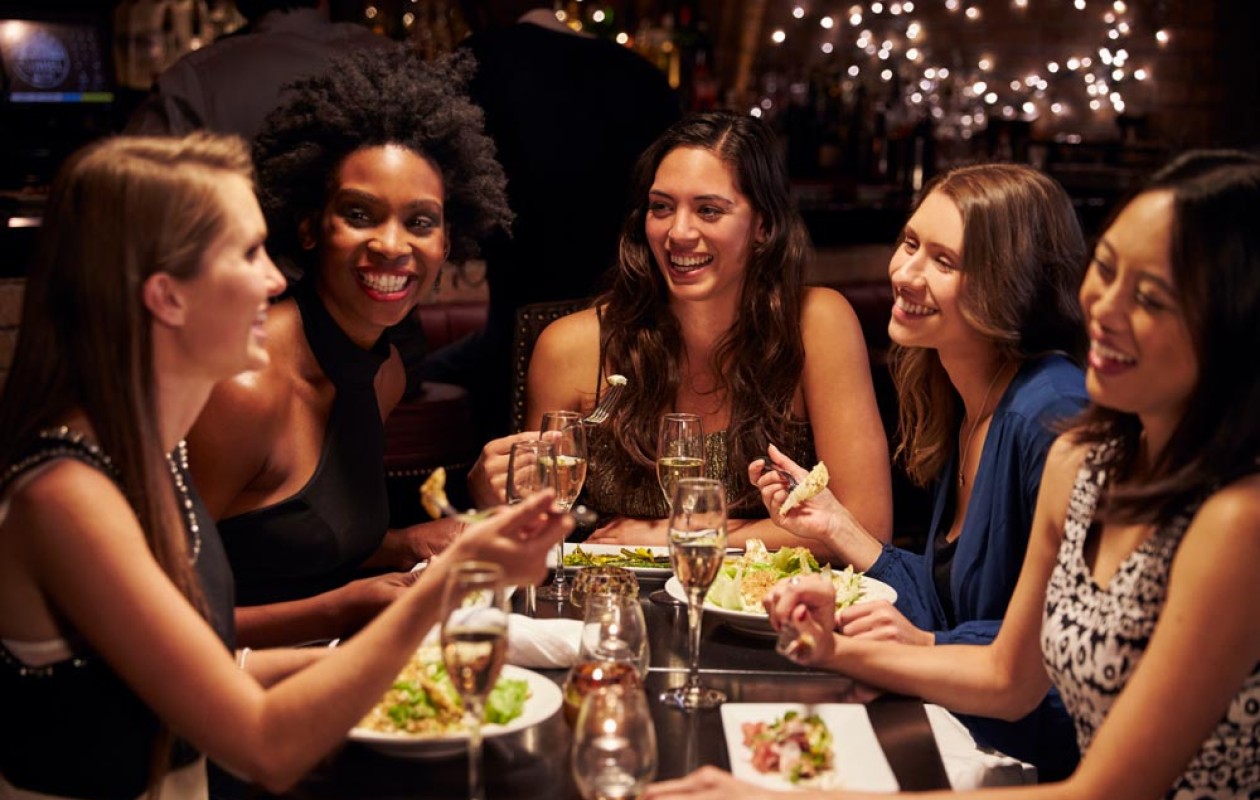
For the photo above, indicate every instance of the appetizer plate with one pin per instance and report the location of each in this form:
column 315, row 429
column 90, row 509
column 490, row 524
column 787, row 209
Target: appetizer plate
column 544, row 700
column 758, row 623
column 663, row 571
column 858, row 761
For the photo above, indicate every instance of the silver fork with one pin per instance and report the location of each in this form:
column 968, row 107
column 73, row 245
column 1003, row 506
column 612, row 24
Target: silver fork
column 606, row 403
column 792, row 483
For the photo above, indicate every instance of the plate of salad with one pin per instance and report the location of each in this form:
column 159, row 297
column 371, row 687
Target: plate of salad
column 420, row 716
column 743, row 582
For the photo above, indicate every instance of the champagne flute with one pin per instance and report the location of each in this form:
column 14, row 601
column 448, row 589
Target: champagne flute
column 566, row 432
column 697, row 545
column 679, row 451
column 474, row 644
column 679, row 454
column 614, row 744
column 531, row 468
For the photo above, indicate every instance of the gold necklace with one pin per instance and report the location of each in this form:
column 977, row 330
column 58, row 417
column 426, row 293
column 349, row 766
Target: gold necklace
column 980, row 417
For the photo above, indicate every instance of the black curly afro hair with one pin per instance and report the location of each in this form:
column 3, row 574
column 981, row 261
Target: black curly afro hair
column 369, row 99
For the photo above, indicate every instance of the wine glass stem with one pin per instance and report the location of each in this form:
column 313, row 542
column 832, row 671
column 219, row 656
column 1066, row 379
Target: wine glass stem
column 472, row 718
column 559, row 580
column 694, row 610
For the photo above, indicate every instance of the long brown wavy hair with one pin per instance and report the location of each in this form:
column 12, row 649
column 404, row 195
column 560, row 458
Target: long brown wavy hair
column 758, row 361
column 120, row 211
column 1023, row 258
column 1215, row 257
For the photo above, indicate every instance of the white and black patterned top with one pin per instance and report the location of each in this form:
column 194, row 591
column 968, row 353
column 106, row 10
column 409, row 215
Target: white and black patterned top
column 1093, row 638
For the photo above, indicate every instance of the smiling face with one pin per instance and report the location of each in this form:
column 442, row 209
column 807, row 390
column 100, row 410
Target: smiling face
column 927, row 281
column 228, row 295
column 699, row 225
column 381, row 239
column 1141, row 354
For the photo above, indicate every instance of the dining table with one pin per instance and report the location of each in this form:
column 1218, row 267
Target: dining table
column 534, row 762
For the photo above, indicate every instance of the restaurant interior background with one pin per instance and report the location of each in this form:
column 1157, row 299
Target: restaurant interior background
column 872, row 96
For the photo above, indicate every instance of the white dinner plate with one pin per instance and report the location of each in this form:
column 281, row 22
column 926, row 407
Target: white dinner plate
column 544, row 700
column 758, row 623
column 663, row 571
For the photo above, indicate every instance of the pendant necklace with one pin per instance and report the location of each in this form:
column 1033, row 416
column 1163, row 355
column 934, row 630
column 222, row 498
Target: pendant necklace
column 980, row 417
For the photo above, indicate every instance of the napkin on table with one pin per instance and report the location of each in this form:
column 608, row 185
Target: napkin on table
column 968, row 765
column 543, row 643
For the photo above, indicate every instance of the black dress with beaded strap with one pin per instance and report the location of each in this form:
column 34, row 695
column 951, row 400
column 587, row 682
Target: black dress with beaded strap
column 73, row 727
column 314, row 541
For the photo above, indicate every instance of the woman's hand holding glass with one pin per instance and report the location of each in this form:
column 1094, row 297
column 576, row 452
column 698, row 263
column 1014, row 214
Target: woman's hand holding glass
column 565, row 431
column 614, row 744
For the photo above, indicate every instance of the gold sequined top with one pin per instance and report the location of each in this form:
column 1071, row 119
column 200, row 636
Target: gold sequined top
column 616, row 487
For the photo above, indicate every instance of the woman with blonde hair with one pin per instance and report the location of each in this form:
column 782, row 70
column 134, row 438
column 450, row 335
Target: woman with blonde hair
column 985, row 330
column 116, row 624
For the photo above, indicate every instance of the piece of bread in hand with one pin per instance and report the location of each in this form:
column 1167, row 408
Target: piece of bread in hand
column 814, row 483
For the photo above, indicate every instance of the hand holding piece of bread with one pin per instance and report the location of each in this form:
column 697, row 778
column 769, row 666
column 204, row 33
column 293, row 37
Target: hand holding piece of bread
column 814, row 483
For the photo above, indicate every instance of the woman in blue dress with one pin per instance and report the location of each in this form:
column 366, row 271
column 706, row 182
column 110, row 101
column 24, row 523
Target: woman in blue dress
column 985, row 328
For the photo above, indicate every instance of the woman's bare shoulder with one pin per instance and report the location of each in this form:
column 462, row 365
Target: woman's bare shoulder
column 826, row 311
column 571, row 335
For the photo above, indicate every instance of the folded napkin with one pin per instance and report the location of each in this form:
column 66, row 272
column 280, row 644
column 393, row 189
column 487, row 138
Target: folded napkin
column 968, row 765
column 543, row 643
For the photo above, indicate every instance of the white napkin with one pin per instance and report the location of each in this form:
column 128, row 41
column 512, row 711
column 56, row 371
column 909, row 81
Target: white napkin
column 543, row 643
column 968, row 765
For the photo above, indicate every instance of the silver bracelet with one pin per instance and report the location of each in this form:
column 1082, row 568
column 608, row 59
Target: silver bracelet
column 242, row 657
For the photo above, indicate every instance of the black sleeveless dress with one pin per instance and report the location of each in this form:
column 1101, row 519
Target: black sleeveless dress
column 314, row 541
column 73, row 727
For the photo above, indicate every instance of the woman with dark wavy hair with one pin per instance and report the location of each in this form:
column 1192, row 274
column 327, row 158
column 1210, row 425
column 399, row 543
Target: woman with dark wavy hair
column 707, row 314
column 117, row 671
column 371, row 175
column 1138, row 596
column 985, row 331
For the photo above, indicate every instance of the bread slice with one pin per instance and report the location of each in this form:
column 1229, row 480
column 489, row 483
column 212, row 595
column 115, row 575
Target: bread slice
column 433, row 493
column 814, row 483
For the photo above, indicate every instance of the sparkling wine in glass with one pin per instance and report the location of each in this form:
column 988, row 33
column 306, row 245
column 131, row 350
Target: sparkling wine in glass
column 474, row 644
column 697, row 544
column 679, row 451
column 566, row 432
column 614, row 744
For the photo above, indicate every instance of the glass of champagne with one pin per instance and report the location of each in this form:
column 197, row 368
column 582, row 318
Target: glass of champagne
column 697, row 545
column 679, row 451
column 566, row 432
column 474, row 644
column 679, row 454
column 614, row 744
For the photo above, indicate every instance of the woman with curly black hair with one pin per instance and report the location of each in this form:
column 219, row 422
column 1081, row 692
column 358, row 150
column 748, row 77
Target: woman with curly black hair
column 371, row 176
column 707, row 314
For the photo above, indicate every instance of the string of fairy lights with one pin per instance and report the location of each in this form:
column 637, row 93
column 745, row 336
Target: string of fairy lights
column 887, row 47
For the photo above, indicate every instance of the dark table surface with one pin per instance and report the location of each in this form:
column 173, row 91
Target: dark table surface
column 534, row 763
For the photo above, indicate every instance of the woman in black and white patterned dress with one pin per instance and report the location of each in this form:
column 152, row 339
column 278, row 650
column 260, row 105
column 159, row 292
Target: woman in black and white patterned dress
column 1140, row 590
